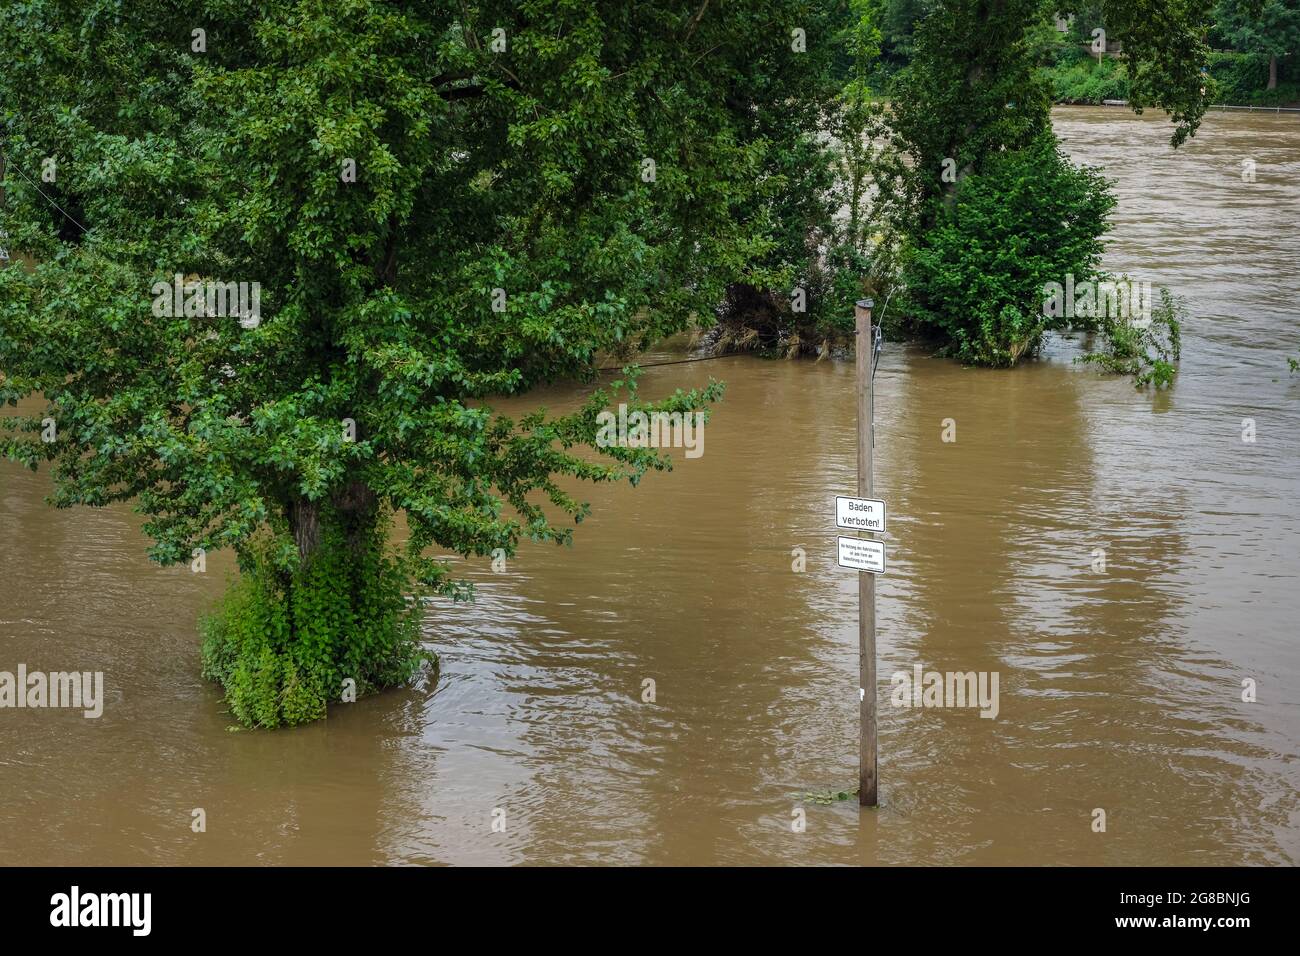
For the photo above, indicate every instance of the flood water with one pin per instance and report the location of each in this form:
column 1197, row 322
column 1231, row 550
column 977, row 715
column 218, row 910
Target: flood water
column 1118, row 690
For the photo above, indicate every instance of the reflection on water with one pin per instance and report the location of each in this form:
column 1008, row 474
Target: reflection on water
column 1119, row 690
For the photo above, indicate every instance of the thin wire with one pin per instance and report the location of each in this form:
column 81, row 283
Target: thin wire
column 47, row 198
column 878, row 345
column 707, row 358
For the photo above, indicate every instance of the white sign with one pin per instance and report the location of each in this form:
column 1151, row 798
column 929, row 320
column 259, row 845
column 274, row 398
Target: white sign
column 862, row 554
column 859, row 514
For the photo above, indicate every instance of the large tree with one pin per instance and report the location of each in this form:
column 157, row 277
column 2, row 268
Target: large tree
column 974, row 89
column 991, row 207
column 439, row 201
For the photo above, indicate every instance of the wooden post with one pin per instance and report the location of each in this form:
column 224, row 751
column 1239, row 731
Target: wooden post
column 866, row 581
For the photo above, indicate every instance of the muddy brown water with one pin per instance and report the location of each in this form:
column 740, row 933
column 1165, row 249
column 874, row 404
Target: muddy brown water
column 1118, row 690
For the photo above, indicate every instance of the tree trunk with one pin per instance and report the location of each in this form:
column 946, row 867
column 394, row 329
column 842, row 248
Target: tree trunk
column 357, row 505
column 1272, row 71
column 974, row 75
column 304, row 520
column 354, row 507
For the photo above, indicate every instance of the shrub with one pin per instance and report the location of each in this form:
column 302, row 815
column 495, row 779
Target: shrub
column 1149, row 354
column 282, row 643
column 1082, row 80
column 976, row 278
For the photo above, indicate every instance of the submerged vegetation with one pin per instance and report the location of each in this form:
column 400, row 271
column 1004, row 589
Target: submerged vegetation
column 1149, row 352
column 827, row 797
column 289, row 637
column 976, row 274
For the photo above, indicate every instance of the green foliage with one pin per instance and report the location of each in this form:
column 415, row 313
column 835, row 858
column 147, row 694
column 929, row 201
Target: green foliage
column 976, row 277
column 853, row 257
column 845, row 280
column 990, row 209
column 1087, row 15
column 1242, row 79
column 1239, row 76
column 979, row 54
column 1148, row 353
column 1244, row 33
column 827, row 797
column 1268, row 27
column 896, row 22
column 1086, row 81
column 816, row 247
column 868, row 177
column 960, row 102
column 1165, row 52
column 477, row 170
column 282, row 643
column 1234, row 78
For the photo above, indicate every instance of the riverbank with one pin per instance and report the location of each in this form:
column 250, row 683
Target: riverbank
column 1077, row 78
column 1240, row 80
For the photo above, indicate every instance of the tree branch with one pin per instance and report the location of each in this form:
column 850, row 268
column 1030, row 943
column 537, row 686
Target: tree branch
column 695, row 21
